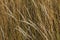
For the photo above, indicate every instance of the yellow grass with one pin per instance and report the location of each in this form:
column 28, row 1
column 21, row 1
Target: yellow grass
column 29, row 19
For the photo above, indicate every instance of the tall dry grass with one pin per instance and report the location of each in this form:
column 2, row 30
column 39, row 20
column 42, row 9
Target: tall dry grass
column 29, row 19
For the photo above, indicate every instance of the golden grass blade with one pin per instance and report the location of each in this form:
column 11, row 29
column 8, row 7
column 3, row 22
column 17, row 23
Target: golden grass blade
column 2, row 32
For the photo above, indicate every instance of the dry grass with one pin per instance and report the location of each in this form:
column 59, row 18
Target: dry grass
column 29, row 19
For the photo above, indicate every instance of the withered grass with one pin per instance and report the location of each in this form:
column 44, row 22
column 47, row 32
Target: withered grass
column 29, row 19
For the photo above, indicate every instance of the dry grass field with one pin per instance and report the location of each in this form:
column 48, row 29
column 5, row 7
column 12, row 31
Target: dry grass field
column 29, row 19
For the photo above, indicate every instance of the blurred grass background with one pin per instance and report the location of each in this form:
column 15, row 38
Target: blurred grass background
column 29, row 19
